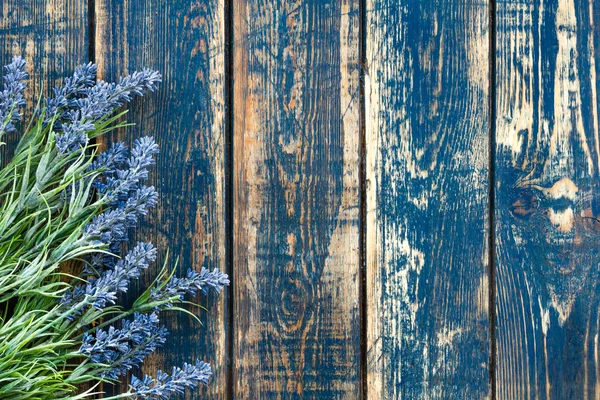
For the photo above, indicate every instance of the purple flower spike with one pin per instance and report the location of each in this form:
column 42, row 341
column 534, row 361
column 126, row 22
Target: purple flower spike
column 125, row 348
column 190, row 284
column 164, row 386
column 11, row 97
column 81, row 102
column 102, row 291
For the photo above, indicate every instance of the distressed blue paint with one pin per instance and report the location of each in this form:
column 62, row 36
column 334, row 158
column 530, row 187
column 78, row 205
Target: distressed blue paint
column 540, row 269
column 431, row 258
column 53, row 44
column 181, row 39
column 293, row 340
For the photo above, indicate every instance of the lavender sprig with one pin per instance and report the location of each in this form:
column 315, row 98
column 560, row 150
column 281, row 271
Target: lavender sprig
column 190, row 284
column 125, row 348
column 102, row 291
column 73, row 138
column 11, row 97
column 128, row 199
column 112, row 159
column 164, row 386
column 121, row 182
column 65, row 96
column 97, row 102
column 106, row 227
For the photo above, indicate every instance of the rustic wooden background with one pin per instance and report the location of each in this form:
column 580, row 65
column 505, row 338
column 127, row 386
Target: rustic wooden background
column 405, row 192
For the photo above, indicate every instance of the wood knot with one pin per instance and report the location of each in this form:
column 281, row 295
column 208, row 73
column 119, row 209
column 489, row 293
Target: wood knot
column 292, row 303
column 525, row 203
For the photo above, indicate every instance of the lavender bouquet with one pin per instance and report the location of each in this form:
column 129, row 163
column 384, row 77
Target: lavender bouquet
column 63, row 201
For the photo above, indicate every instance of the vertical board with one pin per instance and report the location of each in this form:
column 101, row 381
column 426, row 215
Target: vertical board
column 52, row 36
column 296, row 199
column 427, row 121
column 184, row 40
column 547, row 195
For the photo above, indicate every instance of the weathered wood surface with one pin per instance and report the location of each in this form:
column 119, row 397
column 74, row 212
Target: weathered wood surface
column 185, row 41
column 296, row 193
column 52, row 36
column 296, row 201
column 547, row 199
column 427, row 148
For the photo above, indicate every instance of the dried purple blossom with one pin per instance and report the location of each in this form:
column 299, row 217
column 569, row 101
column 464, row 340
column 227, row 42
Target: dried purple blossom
column 125, row 348
column 144, row 198
column 127, row 216
column 192, row 282
column 74, row 87
column 102, row 99
column 129, row 198
column 73, row 138
column 112, row 159
column 120, row 183
column 11, row 97
column 106, row 227
column 122, row 174
column 103, row 290
column 80, row 103
column 164, row 386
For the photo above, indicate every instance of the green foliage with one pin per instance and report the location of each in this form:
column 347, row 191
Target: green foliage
column 51, row 193
column 39, row 231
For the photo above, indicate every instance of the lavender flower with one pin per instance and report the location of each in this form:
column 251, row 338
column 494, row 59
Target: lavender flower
column 103, row 290
column 74, row 87
column 128, row 198
column 125, row 348
column 73, row 139
column 112, row 159
column 164, row 386
column 106, row 227
column 11, row 97
column 194, row 281
column 80, row 103
column 83, row 77
column 121, row 182
column 102, row 99
column 144, row 198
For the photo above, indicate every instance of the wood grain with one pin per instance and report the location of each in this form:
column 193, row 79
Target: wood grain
column 547, row 194
column 427, row 123
column 184, row 40
column 52, row 36
column 296, row 199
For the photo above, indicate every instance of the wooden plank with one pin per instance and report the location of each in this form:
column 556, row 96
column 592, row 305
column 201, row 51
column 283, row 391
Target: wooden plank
column 427, row 121
column 547, row 176
column 296, row 199
column 51, row 36
column 184, row 40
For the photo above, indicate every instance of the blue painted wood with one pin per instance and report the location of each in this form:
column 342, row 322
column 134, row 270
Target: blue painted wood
column 185, row 41
column 296, row 202
column 427, row 103
column 297, row 329
column 547, row 195
column 52, row 36
column 53, row 43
